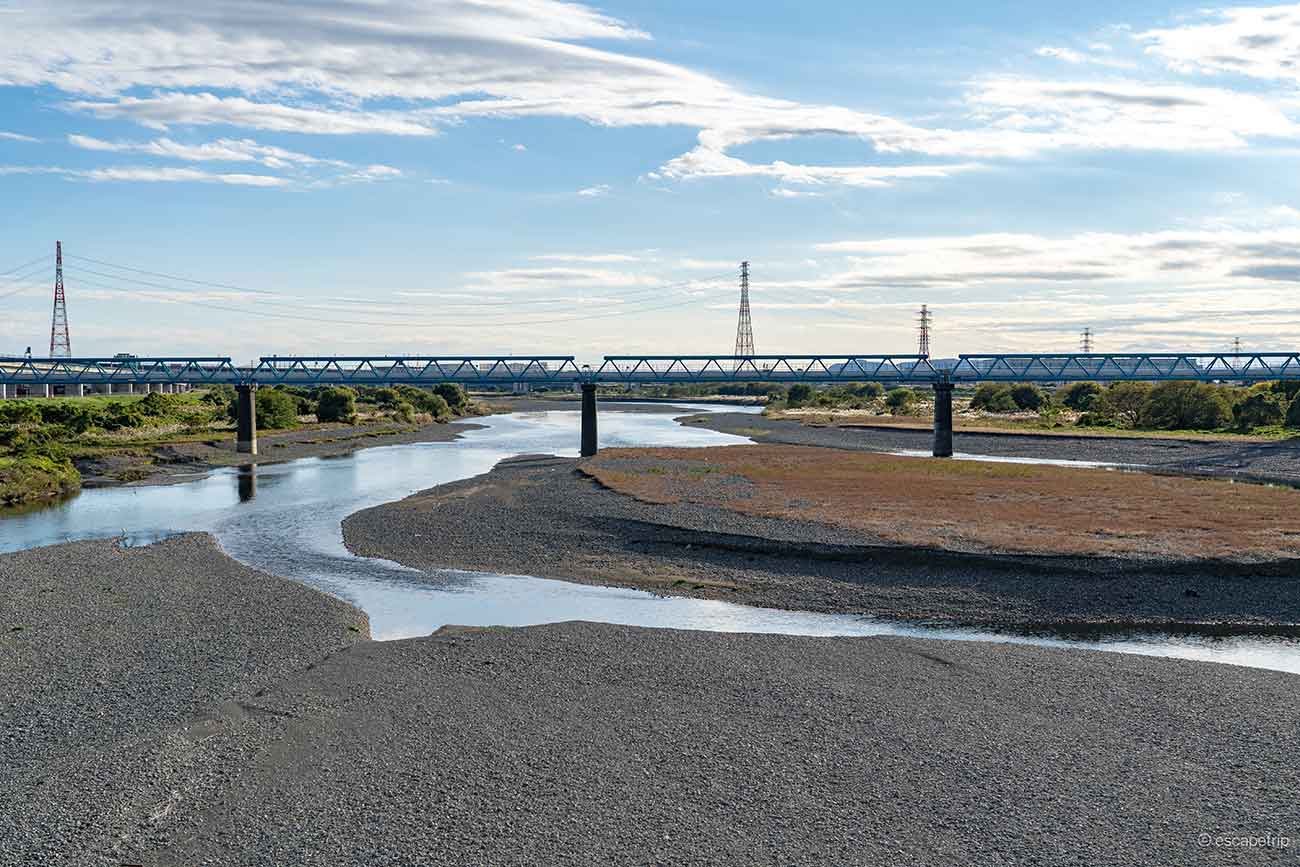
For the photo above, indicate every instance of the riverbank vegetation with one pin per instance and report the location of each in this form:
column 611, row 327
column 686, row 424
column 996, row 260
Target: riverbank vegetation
column 42, row 441
column 1268, row 410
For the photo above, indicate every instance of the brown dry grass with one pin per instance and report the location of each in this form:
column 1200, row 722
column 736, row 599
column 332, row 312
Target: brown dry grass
column 967, row 506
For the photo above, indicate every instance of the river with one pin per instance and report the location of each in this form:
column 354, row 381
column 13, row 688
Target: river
column 285, row 519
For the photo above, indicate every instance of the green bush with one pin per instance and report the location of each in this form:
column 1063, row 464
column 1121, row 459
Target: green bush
column 1261, row 409
column 1123, row 402
column 336, row 403
column 220, row 395
column 994, row 398
column 870, row 390
column 276, row 410
column 20, row 412
column 1028, row 396
column 1078, row 395
column 1288, row 388
column 799, row 394
column 1185, row 406
column 404, row 411
column 455, row 396
column 901, row 400
column 1293, row 414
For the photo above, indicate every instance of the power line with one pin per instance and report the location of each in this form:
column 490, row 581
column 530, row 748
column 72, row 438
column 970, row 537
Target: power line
column 400, row 324
column 41, row 259
column 628, row 293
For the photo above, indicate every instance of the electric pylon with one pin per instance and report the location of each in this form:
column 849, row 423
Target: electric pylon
column 923, row 348
column 1085, row 342
column 60, row 342
column 745, row 328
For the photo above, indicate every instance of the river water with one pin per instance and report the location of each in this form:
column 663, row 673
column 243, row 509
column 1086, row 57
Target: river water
column 285, row 519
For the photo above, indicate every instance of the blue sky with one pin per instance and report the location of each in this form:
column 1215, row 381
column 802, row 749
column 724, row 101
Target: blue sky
column 447, row 176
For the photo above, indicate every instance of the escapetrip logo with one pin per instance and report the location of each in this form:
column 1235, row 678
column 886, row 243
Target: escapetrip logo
column 1244, row 841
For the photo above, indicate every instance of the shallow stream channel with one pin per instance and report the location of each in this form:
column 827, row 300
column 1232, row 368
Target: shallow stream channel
column 286, row 519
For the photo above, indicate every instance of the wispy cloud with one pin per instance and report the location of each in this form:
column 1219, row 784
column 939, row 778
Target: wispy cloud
column 150, row 174
column 15, row 136
column 595, row 192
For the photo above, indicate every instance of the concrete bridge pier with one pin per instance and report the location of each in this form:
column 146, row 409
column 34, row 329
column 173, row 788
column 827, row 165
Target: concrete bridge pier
column 943, row 419
column 4, row 391
column 589, row 439
column 246, row 419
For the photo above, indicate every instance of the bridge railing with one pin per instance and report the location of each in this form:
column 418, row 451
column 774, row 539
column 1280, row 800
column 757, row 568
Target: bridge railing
column 207, row 370
column 667, row 369
column 415, row 370
column 1112, row 367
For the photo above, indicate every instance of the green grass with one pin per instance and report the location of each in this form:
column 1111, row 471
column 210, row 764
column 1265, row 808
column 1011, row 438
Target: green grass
column 24, row 478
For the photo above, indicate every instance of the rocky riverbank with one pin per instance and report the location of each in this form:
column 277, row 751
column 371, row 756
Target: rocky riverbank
column 542, row 516
column 166, row 706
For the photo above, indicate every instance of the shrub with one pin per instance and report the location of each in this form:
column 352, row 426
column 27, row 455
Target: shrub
column 276, row 410
column 19, row 412
column 1185, row 406
column 455, row 396
column 799, row 394
column 220, row 395
column 870, row 390
column 1028, row 396
column 1078, row 395
column 994, row 398
column 1261, row 409
column 336, row 403
column 404, row 411
column 901, row 400
column 1288, row 388
column 1293, row 414
column 1123, row 402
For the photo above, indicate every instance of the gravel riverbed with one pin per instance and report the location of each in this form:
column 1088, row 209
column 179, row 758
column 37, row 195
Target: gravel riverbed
column 105, row 654
column 165, row 706
column 541, row 516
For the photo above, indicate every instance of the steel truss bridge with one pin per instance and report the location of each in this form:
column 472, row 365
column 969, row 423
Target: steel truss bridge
column 564, row 371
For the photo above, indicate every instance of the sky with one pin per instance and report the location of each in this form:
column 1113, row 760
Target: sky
column 445, row 177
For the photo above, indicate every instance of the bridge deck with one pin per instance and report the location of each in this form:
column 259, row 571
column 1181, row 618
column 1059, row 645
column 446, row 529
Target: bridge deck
column 565, row 371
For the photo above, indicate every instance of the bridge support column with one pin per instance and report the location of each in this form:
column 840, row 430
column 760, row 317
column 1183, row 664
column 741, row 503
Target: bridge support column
column 589, row 439
column 246, row 419
column 943, row 419
column 45, row 390
column 4, row 391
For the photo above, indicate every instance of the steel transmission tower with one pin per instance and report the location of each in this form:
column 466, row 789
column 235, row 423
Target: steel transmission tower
column 60, row 343
column 745, row 328
column 1085, row 342
column 923, row 349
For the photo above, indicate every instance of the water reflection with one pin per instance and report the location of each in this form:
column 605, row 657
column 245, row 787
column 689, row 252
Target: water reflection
column 285, row 519
column 247, row 475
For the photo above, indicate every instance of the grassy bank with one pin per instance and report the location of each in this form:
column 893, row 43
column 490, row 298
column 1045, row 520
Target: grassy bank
column 46, row 444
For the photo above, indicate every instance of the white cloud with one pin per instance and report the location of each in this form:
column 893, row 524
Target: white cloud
column 221, row 150
column 595, row 192
column 1257, row 41
column 338, row 68
column 150, row 174
column 14, row 136
column 519, row 147
column 165, row 110
column 787, row 193
column 1129, row 115
column 590, row 258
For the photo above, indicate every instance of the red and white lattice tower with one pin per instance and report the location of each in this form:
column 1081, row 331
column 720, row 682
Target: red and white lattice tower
column 60, row 343
column 923, row 346
column 745, row 328
column 1085, row 341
